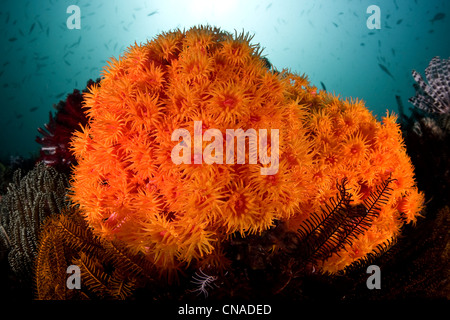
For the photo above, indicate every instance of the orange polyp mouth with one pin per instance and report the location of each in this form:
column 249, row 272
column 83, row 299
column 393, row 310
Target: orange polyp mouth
column 229, row 103
column 355, row 149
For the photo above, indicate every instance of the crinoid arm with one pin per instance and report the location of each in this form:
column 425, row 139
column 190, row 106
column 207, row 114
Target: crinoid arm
column 339, row 222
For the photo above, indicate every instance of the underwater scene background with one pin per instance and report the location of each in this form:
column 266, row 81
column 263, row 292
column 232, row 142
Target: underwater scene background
column 358, row 91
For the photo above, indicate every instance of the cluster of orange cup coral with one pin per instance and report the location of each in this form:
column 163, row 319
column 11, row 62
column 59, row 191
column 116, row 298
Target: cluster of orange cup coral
column 129, row 188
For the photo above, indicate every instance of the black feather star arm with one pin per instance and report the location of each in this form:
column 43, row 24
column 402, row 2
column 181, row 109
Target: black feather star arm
column 28, row 202
column 320, row 236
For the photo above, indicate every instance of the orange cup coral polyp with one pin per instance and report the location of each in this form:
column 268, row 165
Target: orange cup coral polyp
column 128, row 187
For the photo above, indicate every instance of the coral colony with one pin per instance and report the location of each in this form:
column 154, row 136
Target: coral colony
column 195, row 156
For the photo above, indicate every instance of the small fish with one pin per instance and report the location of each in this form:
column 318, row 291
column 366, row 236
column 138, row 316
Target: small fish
column 437, row 17
column 59, row 95
column 323, row 86
column 76, row 43
column 32, row 109
column 371, row 33
column 362, row 44
column 401, row 109
column 36, row 57
column 152, row 13
column 12, row 39
column 268, row 6
column 39, row 66
column 32, row 27
column 382, row 67
column 335, row 24
column 67, row 62
column 393, row 51
column 399, row 21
